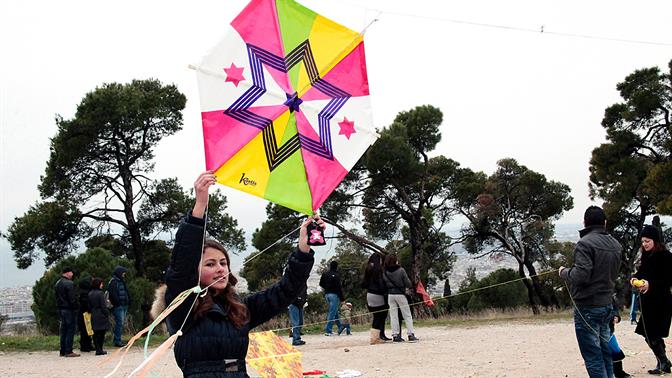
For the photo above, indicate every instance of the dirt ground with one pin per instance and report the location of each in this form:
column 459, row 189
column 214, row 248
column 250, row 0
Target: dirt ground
column 514, row 349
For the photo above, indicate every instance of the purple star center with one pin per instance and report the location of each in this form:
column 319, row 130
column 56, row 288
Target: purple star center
column 293, row 102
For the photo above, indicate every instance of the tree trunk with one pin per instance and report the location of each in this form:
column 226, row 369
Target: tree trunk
column 536, row 284
column 530, row 288
column 416, row 253
column 133, row 227
column 138, row 253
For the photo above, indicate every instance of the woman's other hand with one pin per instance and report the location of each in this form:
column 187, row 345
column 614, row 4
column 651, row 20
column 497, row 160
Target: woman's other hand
column 201, row 186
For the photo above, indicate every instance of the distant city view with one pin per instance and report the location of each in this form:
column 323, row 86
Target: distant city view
column 15, row 303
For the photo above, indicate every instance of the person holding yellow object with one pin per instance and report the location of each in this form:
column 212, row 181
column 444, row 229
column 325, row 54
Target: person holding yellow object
column 653, row 280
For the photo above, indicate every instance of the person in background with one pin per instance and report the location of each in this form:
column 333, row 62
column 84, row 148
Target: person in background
column 376, row 298
column 84, row 338
column 120, row 299
column 634, row 298
column 397, row 281
column 617, row 354
column 653, row 279
column 333, row 294
column 597, row 257
column 346, row 313
column 296, row 316
column 100, row 315
column 67, row 311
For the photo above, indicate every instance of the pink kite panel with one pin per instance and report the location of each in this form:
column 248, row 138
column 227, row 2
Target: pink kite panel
column 323, row 174
column 258, row 25
column 224, row 136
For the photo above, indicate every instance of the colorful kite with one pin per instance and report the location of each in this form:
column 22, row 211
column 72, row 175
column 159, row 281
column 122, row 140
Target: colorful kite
column 271, row 356
column 285, row 104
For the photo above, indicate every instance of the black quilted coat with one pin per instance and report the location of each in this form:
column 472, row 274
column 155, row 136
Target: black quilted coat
column 656, row 304
column 207, row 343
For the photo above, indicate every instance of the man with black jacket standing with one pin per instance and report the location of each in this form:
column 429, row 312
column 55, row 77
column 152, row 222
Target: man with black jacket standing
column 333, row 294
column 120, row 299
column 597, row 257
column 67, row 312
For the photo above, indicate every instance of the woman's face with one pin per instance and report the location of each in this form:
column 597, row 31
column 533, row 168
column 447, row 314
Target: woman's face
column 214, row 268
column 647, row 244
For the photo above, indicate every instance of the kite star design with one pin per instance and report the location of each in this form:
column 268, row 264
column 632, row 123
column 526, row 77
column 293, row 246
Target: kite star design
column 347, row 127
column 234, row 74
column 302, row 73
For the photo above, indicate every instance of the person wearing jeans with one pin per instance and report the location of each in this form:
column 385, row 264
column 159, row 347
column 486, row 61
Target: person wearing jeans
column 67, row 331
column 67, row 312
column 296, row 316
column 591, row 325
column 333, row 301
column 634, row 306
column 120, row 299
column 333, row 294
column 591, row 280
column 119, row 313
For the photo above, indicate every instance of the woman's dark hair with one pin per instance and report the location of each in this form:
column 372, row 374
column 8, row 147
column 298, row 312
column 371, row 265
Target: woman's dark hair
column 391, row 260
column 658, row 247
column 95, row 283
column 373, row 270
column 237, row 311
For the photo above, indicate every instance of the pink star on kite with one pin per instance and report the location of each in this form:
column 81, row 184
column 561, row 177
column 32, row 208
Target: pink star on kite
column 347, row 128
column 234, row 74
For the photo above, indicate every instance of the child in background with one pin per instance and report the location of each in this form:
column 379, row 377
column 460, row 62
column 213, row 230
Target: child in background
column 617, row 354
column 346, row 312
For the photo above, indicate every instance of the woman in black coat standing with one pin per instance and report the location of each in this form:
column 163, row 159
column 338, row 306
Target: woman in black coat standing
column 376, row 298
column 215, row 334
column 84, row 338
column 100, row 315
column 654, row 279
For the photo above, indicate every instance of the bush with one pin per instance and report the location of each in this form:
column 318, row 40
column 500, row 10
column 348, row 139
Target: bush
column 511, row 295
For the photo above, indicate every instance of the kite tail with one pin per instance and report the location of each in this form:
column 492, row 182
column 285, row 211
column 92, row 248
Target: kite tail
column 153, row 358
column 173, row 305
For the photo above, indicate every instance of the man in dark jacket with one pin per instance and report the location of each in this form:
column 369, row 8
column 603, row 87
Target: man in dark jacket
column 120, row 299
column 333, row 293
column 296, row 316
column 67, row 311
column 597, row 257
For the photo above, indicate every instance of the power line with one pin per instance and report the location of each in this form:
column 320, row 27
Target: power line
column 541, row 30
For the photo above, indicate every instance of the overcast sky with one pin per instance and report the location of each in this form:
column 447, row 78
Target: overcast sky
column 506, row 90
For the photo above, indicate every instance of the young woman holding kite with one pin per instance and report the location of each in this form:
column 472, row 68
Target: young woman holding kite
column 215, row 332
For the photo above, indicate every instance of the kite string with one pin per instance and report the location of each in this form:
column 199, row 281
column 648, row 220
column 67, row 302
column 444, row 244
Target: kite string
column 438, row 298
